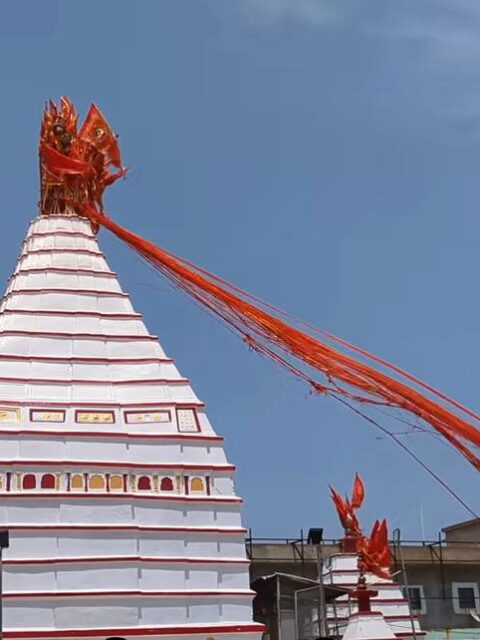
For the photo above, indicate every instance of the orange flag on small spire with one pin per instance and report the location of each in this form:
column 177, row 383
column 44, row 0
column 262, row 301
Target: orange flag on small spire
column 346, row 514
column 375, row 554
column 358, row 492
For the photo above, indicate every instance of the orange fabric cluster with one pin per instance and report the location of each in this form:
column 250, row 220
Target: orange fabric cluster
column 374, row 553
column 75, row 165
column 346, row 508
column 326, row 368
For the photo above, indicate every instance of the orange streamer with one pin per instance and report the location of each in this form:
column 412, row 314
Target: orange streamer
column 303, row 354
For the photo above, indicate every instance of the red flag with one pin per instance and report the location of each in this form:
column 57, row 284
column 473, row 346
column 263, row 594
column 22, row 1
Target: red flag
column 382, row 546
column 97, row 132
column 340, row 506
column 358, row 492
column 346, row 514
column 375, row 554
column 113, row 177
column 60, row 164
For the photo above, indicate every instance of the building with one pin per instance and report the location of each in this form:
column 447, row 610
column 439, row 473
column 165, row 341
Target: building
column 467, row 531
column 115, row 488
column 442, row 577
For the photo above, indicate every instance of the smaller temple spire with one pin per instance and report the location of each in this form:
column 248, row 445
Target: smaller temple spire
column 366, row 624
column 374, row 553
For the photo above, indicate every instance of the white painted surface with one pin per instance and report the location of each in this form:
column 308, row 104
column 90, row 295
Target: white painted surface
column 368, row 627
column 70, row 341
column 342, row 569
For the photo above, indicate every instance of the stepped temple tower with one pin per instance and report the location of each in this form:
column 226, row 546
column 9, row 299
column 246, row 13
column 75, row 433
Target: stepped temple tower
column 115, row 488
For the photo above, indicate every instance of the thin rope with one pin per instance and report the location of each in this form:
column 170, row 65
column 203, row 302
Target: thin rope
column 409, row 452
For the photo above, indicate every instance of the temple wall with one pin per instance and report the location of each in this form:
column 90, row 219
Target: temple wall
column 107, row 611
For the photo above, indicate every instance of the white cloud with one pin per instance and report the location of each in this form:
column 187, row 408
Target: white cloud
column 448, row 30
column 441, row 44
column 316, row 13
column 440, row 39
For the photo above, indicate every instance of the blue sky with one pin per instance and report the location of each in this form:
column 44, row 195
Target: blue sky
column 323, row 155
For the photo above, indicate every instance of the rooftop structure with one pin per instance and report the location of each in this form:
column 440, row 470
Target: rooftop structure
column 443, row 577
column 467, row 531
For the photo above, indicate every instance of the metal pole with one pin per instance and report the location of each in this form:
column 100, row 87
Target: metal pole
column 295, row 610
column 322, row 609
column 303, row 552
column 319, row 597
column 442, row 568
column 4, row 544
column 279, row 615
column 397, row 541
column 335, row 614
column 1, row 595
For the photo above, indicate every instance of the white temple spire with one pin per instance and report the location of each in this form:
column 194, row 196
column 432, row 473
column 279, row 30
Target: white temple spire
column 116, row 490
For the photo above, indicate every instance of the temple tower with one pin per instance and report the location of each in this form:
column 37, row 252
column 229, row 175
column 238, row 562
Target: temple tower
column 120, row 502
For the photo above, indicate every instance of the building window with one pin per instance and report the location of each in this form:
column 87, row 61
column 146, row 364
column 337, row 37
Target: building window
column 416, row 599
column 76, row 483
column 166, row 484
column 465, row 597
column 144, row 484
column 48, row 481
column 29, row 481
column 97, row 483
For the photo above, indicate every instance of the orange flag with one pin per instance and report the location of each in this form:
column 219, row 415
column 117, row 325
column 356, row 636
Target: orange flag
column 382, row 546
column 97, row 132
column 375, row 553
column 346, row 514
column 113, row 177
column 341, row 506
column 60, row 165
column 358, row 492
